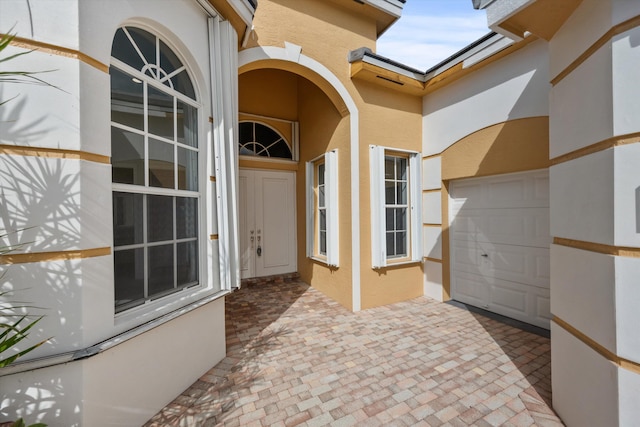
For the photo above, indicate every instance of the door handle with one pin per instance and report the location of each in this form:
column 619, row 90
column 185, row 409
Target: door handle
column 485, row 255
column 259, row 251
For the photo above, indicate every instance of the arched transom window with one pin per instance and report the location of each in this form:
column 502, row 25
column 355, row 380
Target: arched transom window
column 155, row 151
column 258, row 139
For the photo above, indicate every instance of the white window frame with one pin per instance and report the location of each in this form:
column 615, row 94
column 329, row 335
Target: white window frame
column 379, row 256
column 159, row 303
column 330, row 160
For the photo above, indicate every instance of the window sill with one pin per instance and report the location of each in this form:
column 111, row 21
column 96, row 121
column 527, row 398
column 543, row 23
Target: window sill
column 399, row 264
column 57, row 359
column 323, row 261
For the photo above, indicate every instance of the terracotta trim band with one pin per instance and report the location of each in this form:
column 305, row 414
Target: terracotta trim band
column 598, row 247
column 425, row 224
column 433, row 190
column 60, row 51
column 604, row 352
column 213, row 237
column 614, row 31
column 212, row 178
column 616, row 141
column 53, row 256
column 426, row 258
column 431, row 156
column 54, row 153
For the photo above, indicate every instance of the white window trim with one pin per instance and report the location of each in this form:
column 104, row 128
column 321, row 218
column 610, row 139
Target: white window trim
column 331, row 198
column 154, row 308
column 224, row 88
column 378, row 226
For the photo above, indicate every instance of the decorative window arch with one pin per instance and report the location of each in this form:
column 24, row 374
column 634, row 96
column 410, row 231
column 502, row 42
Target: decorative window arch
column 155, row 170
column 262, row 140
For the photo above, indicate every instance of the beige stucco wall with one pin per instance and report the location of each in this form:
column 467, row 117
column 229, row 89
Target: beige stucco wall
column 326, row 32
column 394, row 120
column 284, row 95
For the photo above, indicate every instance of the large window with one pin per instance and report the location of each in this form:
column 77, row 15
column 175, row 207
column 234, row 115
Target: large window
column 395, row 206
column 155, row 154
column 322, row 208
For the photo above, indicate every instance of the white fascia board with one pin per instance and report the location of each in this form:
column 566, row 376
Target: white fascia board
column 394, row 68
column 486, row 46
column 392, row 7
column 244, row 9
column 211, row 11
column 495, row 47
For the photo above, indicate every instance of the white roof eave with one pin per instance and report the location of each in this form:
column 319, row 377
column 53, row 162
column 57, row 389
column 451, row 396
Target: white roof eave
column 392, row 7
column 244, row 10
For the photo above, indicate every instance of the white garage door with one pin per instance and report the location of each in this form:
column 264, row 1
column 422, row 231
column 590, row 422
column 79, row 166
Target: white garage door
column 499, row 239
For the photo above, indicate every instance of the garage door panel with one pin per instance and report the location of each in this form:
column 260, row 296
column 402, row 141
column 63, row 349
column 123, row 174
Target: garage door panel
column 499, row 239
column 529, row 266
column 519, row 264
column 507, row 192
column 471, row 289
column 542, row 267
column 526, row 227
column 525, row 191
column 520, row 302
column 466, row 227
column 540, row 185
column 465, row 258
column 508, row 297
column 542, row 307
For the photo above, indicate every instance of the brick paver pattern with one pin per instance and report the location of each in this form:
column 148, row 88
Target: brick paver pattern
column 296, row 357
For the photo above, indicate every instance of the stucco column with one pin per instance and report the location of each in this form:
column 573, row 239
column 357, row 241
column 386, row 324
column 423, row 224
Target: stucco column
column 595, row 215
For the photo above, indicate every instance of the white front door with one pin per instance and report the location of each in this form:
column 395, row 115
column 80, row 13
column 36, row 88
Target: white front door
column 500, row 245
column 267, row 214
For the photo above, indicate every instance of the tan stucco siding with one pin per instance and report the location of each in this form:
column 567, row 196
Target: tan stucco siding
column 323, row 129
column 513, row 146
column 325, row 31
column 270, row 93
column 391, row 120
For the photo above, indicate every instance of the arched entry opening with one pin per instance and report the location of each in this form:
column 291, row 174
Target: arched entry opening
column 309, row 111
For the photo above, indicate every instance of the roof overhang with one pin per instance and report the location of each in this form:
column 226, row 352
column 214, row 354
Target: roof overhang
column 515, row 18
column 392, row 10
column 239, row 12
column 384, row 12
column 368, row 66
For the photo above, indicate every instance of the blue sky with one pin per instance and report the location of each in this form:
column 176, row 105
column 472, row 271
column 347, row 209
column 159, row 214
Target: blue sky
column 431, row 30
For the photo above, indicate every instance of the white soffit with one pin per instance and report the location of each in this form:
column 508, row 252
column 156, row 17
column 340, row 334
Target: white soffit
column 392, row 7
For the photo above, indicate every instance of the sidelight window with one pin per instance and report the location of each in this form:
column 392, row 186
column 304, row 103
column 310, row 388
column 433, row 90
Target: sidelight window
column 395, row 206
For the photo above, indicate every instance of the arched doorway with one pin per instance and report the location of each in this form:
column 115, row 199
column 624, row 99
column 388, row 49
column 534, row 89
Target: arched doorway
column 283, row 84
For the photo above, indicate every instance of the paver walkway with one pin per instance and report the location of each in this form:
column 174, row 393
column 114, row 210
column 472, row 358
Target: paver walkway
column 295, row 357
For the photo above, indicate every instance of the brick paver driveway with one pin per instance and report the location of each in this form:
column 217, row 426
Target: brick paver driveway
column 295, row 357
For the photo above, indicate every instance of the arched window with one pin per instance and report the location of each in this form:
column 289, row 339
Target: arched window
column 154, row 156
column 258, row 139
